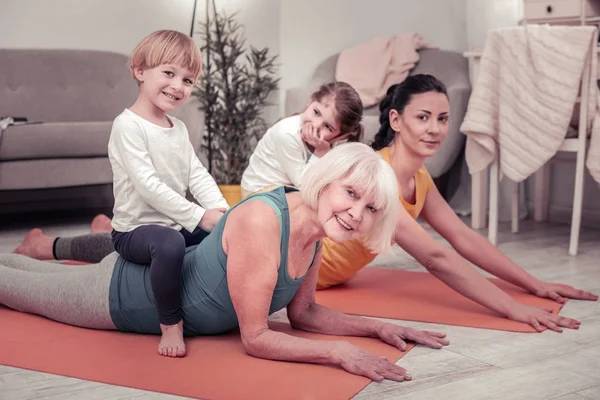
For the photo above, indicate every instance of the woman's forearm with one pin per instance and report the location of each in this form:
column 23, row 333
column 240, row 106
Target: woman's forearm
column 456, row 273
column 274, row 345
column 479, row 251
column 323, row 320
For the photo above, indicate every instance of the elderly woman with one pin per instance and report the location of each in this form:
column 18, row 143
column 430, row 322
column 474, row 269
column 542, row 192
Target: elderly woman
column 263, row 255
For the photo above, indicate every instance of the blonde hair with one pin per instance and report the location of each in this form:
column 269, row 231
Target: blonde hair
column 166, row 47
column 363, row 168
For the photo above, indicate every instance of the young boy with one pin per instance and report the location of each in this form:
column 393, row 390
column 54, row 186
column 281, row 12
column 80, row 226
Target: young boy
column 154, row 164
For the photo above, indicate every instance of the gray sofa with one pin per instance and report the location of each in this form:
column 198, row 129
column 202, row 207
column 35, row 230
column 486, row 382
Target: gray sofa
column 449, row 67
column 63, row 162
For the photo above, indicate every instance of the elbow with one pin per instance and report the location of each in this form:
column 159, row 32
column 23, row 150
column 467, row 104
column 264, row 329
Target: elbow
column 299, row 317
column 253, row 347
column 297, row 322
column 438, row 260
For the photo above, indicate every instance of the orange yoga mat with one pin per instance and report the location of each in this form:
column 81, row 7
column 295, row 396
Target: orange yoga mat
column 216, row 367
column 420, row 296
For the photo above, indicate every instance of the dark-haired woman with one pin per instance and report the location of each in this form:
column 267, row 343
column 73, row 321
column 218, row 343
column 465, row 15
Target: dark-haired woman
column 414, row 123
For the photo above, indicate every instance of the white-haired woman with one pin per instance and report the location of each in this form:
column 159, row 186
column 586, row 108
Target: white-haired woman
column 263, row 255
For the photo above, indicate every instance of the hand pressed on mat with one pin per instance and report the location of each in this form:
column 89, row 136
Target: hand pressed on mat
column 538, row 318
column 360, row 362
column 560, row 293
column 396, row 335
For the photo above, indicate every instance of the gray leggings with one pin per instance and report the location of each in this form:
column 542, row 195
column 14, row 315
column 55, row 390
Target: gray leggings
column 90, row 248
column 74, row 295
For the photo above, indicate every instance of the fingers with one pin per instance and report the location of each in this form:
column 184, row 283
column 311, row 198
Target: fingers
column 376, row 368
column 567, row 322
column 581, row 295
column 555, row 322
column 393, row 372
column 396, row 376
column 553, row 326
column 434, row 340
column 399, row 343
column 572, row 293
column 536, row 325
column 548, row 310
column 556, row 297
column 372, row 375
column 305, row 132
column 436, row 334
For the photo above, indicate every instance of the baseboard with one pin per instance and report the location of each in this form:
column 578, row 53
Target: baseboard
column 56, row 199
column 562, row 214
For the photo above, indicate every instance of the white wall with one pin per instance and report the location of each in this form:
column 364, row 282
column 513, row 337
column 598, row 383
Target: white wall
column 312, row 30
column 483, row 15
column 114, row 25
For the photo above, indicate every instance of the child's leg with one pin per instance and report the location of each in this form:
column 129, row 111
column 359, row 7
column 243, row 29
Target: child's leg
column 163, row 248
column 72, row 295
column 88, row 248
column 193, row 238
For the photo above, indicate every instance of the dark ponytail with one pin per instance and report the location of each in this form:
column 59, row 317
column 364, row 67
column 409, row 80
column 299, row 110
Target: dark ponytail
column 396, row 98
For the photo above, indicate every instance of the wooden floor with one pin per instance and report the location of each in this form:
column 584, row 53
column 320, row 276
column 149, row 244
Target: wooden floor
column 478, row 364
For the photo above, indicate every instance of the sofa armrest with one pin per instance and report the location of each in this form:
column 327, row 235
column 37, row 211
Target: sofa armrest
column 193, row 118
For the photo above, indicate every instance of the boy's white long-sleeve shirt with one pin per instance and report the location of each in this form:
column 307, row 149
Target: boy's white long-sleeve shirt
column 280, row 157
column 152, row 169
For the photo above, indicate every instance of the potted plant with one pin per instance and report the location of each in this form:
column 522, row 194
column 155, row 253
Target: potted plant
column 234, row 88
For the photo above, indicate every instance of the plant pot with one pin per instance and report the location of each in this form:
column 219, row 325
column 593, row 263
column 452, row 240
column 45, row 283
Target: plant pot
column 232, row 193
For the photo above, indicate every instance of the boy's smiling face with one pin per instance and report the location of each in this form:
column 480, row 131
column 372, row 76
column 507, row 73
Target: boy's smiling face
column 166, row 86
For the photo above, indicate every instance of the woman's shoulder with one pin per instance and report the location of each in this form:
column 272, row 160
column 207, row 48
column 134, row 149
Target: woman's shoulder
column 253, row 221
column 423, row 178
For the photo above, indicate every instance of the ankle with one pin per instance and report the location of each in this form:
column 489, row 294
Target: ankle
column 54, row 248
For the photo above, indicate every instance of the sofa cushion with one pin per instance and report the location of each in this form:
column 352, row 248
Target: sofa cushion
column 55, row 140
column 44, row 174
column 64, row 85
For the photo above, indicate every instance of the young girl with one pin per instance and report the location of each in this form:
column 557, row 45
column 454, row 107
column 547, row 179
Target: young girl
column 294, row 143
column 154, row 164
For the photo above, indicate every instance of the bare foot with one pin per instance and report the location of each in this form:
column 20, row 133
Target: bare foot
column 36, row 245
column 101, row 224
column 171, row 343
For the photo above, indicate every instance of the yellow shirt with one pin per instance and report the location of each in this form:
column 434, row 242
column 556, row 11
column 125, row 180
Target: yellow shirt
column 341, row 261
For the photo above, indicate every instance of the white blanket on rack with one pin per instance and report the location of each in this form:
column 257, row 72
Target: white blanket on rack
column 524, row 95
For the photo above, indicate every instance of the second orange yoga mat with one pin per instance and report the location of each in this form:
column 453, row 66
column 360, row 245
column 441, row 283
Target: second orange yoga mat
column 420, row 296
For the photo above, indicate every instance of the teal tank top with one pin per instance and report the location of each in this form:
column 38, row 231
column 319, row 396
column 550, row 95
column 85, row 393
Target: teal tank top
column 206, row 303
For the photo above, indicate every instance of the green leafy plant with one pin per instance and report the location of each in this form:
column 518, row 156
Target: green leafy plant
column 234, row 88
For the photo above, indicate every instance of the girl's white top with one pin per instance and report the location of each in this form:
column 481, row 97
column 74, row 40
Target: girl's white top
column 280, row 157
